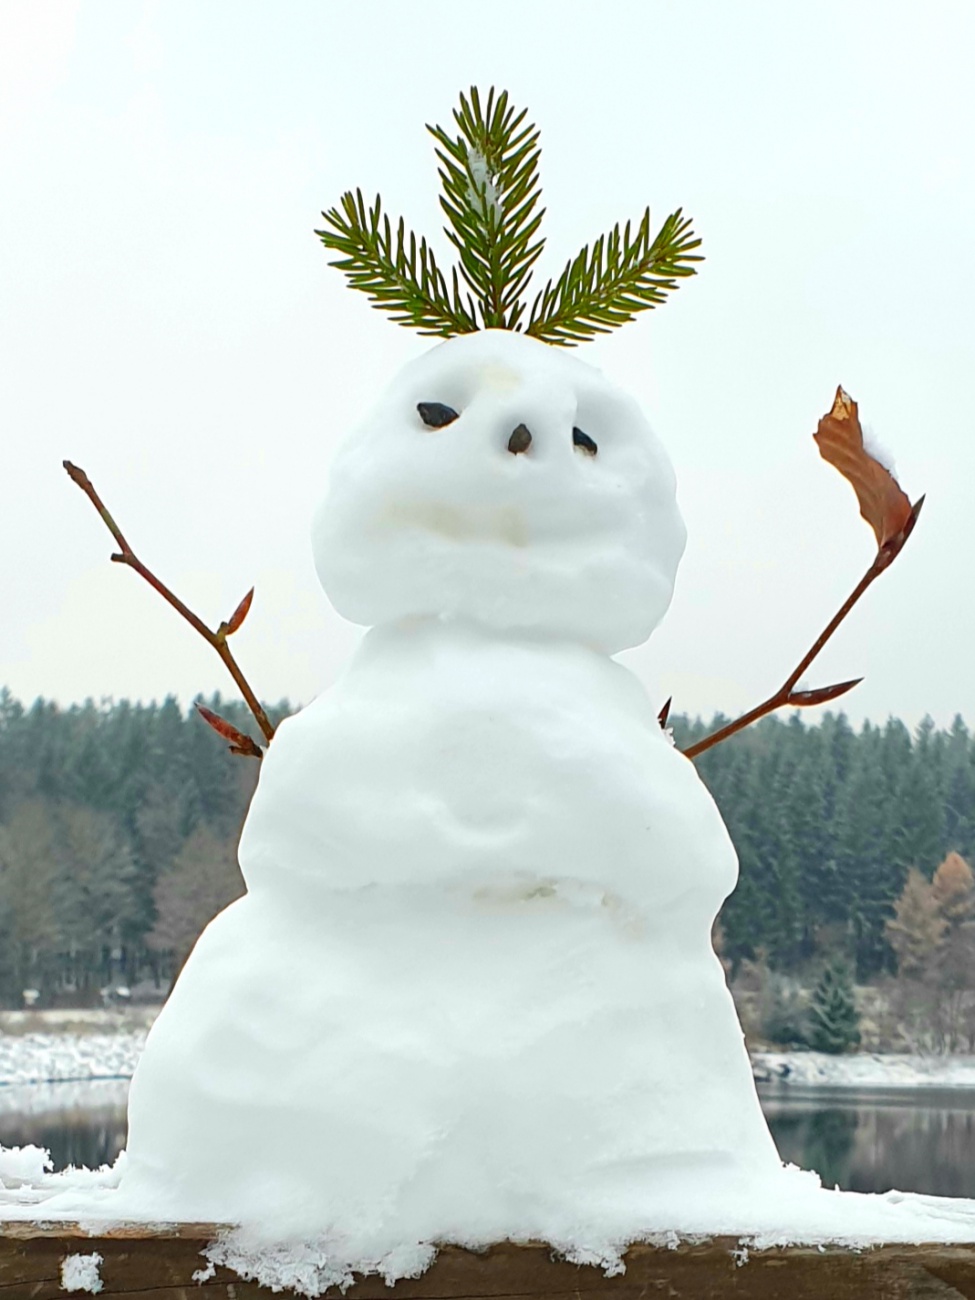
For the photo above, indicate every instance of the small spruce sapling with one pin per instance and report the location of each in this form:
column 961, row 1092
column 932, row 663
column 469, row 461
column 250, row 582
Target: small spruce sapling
column 834, row 1022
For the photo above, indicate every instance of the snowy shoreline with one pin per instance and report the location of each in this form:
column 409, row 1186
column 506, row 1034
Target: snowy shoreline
column 41, row 1058
column 863, row 1070
column 107, row 1048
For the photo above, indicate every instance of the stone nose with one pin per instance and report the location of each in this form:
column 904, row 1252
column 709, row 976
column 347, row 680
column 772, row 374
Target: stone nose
column 520, row 439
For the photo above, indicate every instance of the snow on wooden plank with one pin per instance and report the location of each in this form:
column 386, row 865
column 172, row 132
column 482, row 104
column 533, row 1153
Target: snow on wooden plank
column 161, row 1264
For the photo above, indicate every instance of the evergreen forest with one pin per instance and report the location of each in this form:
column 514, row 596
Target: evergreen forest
column 119, row 823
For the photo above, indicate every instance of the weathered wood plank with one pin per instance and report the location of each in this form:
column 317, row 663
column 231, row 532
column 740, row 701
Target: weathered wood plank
column 158, row 1264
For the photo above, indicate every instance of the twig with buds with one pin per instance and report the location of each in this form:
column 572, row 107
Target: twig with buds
column 239, row 742
column 889, row 513
column 787, row 695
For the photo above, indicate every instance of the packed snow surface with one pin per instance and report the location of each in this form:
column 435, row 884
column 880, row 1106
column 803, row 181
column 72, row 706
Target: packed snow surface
column 875, row 448
column 81, row 1273
column 470, row 994
column 23, row 1166
column 795, row 1209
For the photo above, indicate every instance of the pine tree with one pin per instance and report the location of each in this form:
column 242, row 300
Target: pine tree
column 872, row 879
column 820, row 885
column 959, row 805
column 920, row 823
column 834, row 1022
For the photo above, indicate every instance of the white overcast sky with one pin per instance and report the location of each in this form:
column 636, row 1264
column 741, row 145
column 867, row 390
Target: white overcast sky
column 170, row 323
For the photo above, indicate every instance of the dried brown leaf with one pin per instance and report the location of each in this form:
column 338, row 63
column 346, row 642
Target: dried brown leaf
column 883, row 503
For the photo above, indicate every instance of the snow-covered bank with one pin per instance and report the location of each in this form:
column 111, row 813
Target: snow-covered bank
column 864, row 1070
column 51, row 1057
column 58, row 1045
column 100, row 1053
column 78, row 1020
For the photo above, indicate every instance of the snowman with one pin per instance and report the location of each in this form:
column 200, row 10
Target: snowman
column 470, row 993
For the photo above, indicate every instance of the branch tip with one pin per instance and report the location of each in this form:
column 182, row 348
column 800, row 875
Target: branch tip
column 76, row 475
column 217, row 639
column 821, row 694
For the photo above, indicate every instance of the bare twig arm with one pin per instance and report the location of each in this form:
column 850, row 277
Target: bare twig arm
column 787, row 694
column 218, row 639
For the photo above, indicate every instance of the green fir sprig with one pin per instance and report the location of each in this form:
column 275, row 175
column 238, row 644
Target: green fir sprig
column 490, row 185
column 491, row 195
column 398, row 275
column 623, row 275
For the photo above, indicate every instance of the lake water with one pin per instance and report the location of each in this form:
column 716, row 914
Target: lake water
column 917, row 1141
column 920, row 1140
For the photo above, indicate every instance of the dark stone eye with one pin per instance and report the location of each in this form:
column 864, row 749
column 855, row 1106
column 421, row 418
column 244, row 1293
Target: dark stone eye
column 435, row 415
column 583, row 440
column 520, row 440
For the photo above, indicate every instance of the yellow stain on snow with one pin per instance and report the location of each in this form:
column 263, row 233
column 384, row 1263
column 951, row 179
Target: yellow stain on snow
column 505, row 524
column 498, row 378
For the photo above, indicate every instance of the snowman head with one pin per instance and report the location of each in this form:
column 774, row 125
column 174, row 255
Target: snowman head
column 503, row 481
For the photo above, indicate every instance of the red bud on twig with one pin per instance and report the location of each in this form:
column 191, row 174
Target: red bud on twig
column 822, row 694
column 239, row 742
column 237, row 617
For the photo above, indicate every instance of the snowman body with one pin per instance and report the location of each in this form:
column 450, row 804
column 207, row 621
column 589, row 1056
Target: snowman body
column 470, row 993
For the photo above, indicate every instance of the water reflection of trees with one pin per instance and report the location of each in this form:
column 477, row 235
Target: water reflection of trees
column 916, row 1148
column 829, row 1145
column 822, row 1140
column 74, row 1137
column 873, row 1144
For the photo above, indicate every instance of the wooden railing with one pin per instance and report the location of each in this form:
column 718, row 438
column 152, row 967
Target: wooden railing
column 159, row 1264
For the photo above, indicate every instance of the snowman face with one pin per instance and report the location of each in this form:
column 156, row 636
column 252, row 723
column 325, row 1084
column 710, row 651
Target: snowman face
column 502, row 480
